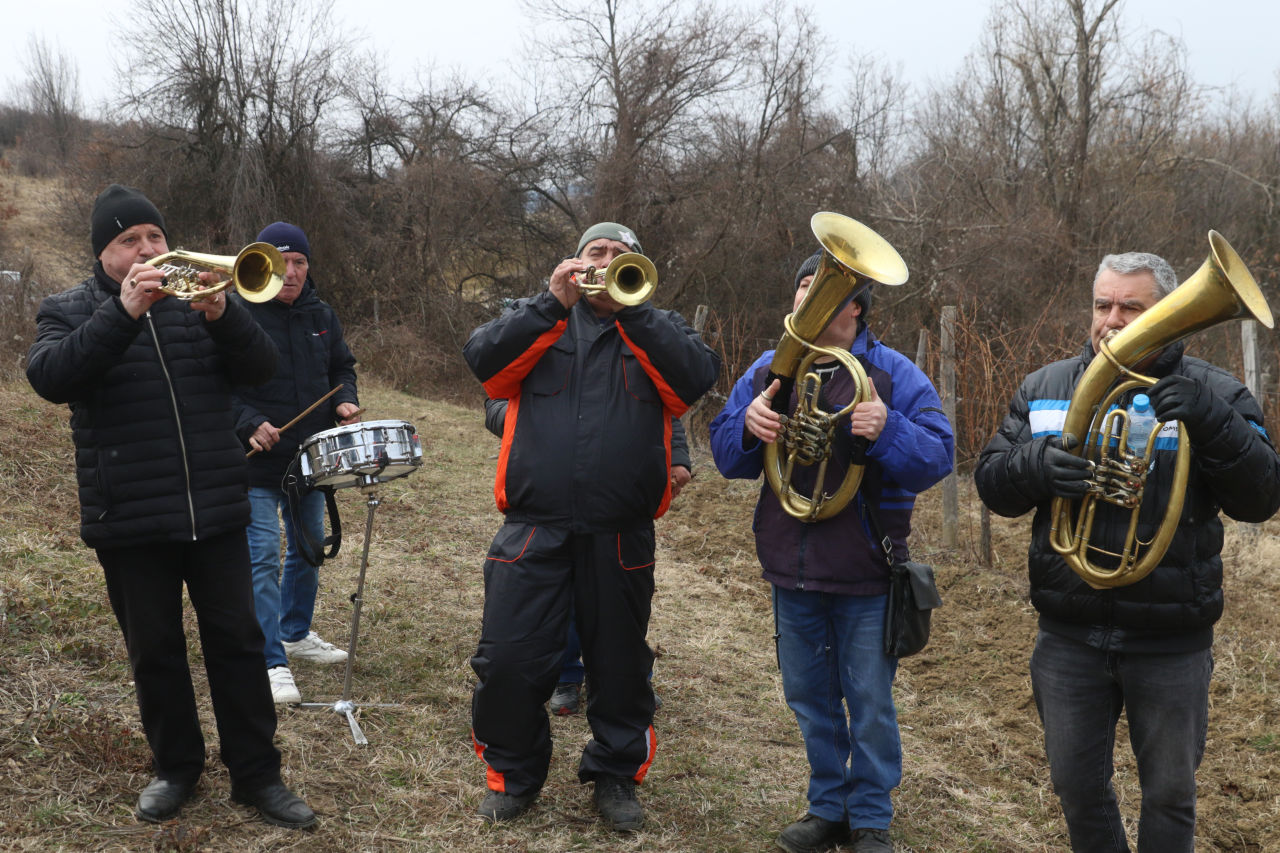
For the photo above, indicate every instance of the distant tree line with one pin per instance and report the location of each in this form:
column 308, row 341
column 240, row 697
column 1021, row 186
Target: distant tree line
column 1066, row 136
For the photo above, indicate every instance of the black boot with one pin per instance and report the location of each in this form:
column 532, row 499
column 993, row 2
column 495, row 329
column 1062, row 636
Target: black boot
column 812, row 834
column 162, row 799
column 277, row 805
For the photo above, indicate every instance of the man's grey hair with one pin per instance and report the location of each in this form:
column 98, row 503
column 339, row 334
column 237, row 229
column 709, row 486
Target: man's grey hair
column 1132, row 262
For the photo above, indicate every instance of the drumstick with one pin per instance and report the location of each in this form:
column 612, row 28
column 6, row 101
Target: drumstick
column 308, row 410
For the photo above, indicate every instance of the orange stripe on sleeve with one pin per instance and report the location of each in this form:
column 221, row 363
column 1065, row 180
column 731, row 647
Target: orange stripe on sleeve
column 670, row 399
column 504, row 452
column 506, row 382
column 666, row 493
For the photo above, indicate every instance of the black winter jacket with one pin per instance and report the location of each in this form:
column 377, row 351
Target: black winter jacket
column 1175, row 607
column 587, row 432
column 157, row 458
column 314, row 358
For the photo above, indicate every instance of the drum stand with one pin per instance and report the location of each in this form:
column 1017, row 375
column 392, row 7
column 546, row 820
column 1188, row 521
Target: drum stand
column 344, row 705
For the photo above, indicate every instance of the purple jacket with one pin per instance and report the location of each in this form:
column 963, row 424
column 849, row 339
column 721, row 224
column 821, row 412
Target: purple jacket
column 914, row 451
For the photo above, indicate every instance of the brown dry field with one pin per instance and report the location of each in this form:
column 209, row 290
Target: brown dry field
column 730, row 769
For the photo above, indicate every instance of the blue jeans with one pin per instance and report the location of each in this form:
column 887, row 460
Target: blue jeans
column 1079, row 692
column 284, row 602
column 831, row 652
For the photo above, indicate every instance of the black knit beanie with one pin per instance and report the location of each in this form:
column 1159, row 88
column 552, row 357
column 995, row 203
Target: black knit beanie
column 810, row 267
column 116, row 209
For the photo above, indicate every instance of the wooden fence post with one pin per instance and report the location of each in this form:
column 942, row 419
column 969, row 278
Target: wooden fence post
column 1253, row 381
column 950, row 486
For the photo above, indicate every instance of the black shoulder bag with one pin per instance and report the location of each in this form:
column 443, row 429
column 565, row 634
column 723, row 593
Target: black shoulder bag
column 913, row 596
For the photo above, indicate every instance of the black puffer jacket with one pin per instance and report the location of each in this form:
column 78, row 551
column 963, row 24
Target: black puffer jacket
column 1173, row 608
column 313, row 359
column 157, row 459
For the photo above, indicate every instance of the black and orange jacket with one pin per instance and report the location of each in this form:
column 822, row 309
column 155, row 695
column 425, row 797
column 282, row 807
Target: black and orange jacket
column 587, row 439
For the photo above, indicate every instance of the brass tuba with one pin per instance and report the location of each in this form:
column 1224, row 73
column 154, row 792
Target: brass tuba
column 629, row 279
column 853, row 258
column 1222, row 289
column 257, row 273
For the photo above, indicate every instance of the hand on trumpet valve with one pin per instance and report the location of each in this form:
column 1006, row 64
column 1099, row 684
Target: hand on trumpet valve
column 142, row 289
column 566, row 279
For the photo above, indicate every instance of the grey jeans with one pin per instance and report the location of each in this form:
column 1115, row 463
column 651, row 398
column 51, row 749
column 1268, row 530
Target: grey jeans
column 1079, row 693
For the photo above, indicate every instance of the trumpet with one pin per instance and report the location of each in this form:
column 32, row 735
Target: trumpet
column 257, row 273
column 629, row 279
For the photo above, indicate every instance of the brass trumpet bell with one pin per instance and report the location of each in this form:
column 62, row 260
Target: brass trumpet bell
column 629, row 279
column 257, row 273
column 1221, row 289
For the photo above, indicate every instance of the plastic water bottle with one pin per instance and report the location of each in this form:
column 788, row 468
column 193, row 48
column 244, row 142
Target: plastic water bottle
column 1141, row 422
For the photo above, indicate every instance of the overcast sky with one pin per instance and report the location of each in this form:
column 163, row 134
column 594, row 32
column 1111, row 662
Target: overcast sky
column 1230, row 42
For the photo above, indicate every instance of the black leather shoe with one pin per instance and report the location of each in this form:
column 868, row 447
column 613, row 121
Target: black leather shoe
column 162, row 799
column 812, row 834
column 277, row 805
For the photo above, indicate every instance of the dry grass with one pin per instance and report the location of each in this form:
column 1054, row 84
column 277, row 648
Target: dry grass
column 730, row 769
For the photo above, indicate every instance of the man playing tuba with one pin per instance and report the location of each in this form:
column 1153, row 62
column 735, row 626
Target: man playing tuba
column 830, row 577
column 1146, row 647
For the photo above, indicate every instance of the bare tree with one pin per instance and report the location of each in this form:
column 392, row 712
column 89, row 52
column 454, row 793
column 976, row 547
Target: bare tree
column 53, row 94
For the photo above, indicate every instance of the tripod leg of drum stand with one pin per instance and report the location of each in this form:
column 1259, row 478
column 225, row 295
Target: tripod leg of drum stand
column 345, row 705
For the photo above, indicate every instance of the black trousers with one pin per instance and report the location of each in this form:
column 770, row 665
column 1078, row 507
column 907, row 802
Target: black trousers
column 145, row 584
column 531, row 577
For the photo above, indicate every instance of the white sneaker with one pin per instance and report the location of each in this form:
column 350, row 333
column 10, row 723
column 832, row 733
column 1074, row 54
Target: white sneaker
column 312, row 648
column 283, row 690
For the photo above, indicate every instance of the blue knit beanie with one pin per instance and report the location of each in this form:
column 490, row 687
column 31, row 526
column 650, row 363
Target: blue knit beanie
column 286, row 238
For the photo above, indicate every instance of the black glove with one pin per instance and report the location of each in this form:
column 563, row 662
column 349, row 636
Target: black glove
column 1053, row 472
column 1181, row 398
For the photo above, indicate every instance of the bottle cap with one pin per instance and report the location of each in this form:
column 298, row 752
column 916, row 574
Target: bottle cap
column 1141, row 403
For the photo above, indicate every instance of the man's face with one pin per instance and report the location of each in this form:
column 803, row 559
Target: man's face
column 1118, row 299
column 134, row 245
column 295, row 275
column 599, row 253
column 843, row 328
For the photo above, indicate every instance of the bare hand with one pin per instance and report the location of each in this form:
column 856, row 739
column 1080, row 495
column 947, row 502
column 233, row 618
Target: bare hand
column 680, row 477
column 762, row 421
column 264, row 437
column 348, row 413
column 562, row 283
column 141, row 289
column 868, row 419
column 216, row 305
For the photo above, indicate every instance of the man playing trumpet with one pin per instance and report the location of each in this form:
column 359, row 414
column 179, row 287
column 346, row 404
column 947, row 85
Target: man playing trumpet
column 592, row 386
column 161, row 479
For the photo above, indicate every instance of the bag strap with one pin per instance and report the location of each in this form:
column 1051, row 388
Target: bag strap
column 295, row 489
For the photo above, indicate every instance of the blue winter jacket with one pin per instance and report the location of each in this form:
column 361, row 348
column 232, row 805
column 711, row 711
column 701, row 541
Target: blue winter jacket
column 914, row 451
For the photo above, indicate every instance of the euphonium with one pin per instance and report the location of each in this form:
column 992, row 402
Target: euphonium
column 853, row 258
column 1222, row 289
column 257, row 273
column 629, row 279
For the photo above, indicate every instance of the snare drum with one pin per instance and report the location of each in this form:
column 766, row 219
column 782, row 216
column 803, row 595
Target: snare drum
column 360, row 454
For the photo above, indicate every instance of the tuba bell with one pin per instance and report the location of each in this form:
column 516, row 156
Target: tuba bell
column 1222, row 289
column 629, row 279
column 257, row 273
column 853, row 258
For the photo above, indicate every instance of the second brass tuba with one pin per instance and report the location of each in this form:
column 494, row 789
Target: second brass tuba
column 853, row 258
column 257, row 273
column 1222, row 289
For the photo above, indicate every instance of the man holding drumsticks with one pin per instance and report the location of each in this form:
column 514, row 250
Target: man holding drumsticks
column 314, row 358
